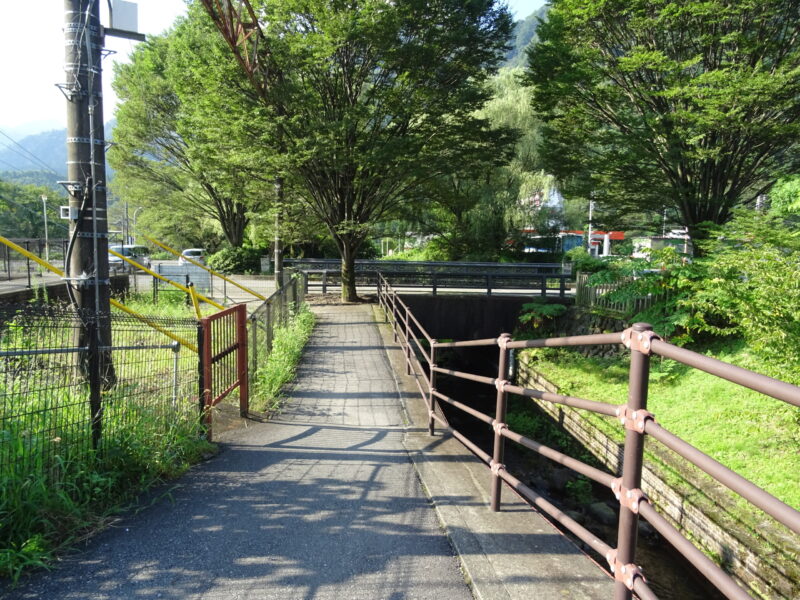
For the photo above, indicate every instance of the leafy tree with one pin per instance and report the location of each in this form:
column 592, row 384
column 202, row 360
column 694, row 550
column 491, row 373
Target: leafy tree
column 177, row 148
column 785, row 196
column 649, row 103
column 21, row 211
column 371, row 98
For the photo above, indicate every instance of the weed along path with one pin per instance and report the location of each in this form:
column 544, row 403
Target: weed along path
column 325, row 502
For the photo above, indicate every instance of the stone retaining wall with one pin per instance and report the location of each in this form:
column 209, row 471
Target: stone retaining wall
column 755, row 550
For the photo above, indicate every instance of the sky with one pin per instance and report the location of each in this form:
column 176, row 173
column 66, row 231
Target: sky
column 33, row 57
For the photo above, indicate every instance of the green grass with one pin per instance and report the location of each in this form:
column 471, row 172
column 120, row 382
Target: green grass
column 170, row 304
column 56, row 489
column 748, row 432
column 279, row 368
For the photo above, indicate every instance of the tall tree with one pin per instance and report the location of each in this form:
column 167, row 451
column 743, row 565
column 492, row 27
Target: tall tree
column 653, row 103
column 372, row 98
column 179, row 145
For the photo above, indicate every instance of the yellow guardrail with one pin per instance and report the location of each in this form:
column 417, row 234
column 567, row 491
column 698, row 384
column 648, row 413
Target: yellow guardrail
column 202, row 266
column 114, row 303
column 183, row 288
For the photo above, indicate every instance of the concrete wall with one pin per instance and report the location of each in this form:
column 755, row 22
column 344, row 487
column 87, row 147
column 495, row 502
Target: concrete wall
column 755, row 550
column 57, row 291
column 465, row 317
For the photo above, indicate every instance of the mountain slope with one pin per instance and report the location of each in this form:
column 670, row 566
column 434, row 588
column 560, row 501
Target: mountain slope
column 525, row 35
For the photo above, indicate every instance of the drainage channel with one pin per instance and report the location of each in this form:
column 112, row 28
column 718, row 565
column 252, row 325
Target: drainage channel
column 669, row 574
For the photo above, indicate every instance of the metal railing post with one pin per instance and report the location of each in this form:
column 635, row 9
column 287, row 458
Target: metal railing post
column 408, row 343
column 431, row 387
column 498, row 453
column 394, row 315
column 633, row 457
column 241, row 360
column 325, row 281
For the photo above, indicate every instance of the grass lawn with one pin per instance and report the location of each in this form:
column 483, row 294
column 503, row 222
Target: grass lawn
column 755, row 435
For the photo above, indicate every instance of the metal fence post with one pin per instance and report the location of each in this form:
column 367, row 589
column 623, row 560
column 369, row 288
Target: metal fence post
column 176, row 351
column 253, row 348
column 268, row 326
column 498, row 453
column 241, row 359
column 431, row 387
column 204, row 358
column 28, row 263
column 325, row 281
column 95, row 397
column 632, row 461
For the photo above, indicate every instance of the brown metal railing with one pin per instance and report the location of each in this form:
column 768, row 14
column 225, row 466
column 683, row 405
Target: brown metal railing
column 642, row 342
column 222, row 341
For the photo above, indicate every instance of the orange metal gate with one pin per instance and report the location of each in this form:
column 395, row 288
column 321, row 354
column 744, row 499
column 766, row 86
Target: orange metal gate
column 223, row 360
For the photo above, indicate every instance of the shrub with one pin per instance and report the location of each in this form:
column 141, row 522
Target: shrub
column 538, row 317
column 751, row 289
column 583, row 261
column 244, row 260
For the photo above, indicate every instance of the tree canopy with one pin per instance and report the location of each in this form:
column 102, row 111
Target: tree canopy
column 372, row 99
column 654, row 103
column 180, row 148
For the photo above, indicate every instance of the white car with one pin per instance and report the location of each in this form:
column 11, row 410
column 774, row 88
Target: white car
column 195, row 254
column 140, row 254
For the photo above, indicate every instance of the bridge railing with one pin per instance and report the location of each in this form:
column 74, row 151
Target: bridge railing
column 542, row 278
column 633, row 416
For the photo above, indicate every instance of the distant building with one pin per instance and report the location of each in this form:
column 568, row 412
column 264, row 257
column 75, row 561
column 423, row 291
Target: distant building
column 677, row 238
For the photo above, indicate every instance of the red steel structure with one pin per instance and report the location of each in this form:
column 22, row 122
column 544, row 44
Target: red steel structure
column 633, row 416
column 222, row 341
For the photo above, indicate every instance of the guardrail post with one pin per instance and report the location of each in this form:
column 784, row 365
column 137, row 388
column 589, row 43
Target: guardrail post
column 562, row 288
column 499, row 421
column 431, row 386
column 488, row 284
column 544, row 285
column 632, row 461
column 324, row 281
column 433, row 283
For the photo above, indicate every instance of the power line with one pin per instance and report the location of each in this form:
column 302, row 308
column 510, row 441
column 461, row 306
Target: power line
column 28, row 152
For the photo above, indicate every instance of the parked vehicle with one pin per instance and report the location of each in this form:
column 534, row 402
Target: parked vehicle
column 195, row 254
column 140, row 254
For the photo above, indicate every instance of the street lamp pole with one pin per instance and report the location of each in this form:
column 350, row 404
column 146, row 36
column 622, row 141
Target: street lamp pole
column 46, row 237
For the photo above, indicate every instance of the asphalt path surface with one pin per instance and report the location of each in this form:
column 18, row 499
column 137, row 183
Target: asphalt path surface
column 320, row 503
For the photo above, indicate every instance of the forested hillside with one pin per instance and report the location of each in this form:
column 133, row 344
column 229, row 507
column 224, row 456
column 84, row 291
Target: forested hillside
column 524, row 35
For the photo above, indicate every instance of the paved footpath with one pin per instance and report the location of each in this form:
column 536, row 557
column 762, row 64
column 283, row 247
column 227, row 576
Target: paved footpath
column 322, row 502
column 325, row 502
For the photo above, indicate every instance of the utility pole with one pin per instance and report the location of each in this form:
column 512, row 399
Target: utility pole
column 87, row 267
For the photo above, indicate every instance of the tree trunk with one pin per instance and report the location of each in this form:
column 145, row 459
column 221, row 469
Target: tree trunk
column 348, row 271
